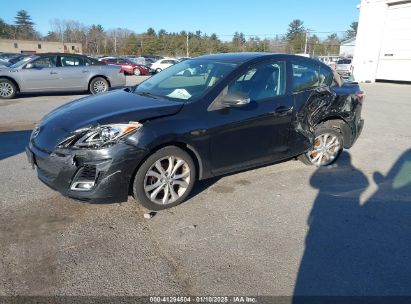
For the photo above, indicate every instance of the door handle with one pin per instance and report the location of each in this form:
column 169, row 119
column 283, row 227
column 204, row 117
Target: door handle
column 53, row 73
column 282, row 110
column 85, row 71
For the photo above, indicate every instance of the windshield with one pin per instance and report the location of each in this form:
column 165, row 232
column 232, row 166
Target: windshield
column 185, row 81
column 21, row 62
column 344, row 61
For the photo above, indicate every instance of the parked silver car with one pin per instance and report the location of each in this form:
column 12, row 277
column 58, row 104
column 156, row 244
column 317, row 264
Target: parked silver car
column 54, row 72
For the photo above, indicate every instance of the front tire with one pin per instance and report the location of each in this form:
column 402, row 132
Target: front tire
column 98, row 85
column 158, row 70
column 8, row 89
column 165, row 179
column 136, row 72
column 327, row 147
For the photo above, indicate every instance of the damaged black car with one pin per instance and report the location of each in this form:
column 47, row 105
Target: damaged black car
column 203, row 117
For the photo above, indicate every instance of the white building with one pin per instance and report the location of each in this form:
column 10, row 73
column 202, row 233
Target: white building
column 383, row 44
column 347, row 48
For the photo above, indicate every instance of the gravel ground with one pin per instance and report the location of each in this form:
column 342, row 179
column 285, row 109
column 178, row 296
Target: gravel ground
column 285, row 229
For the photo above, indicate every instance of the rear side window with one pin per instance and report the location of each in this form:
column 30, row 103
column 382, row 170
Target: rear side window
column 305, row 76
column 344, row 61
column 91, row 61
column 326, row 76
column 71, row 61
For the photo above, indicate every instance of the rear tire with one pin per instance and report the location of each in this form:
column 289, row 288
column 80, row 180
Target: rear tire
column 99, row 85
column 136, row 72
column 8, row 89
column 165, row 179
column 158, row 70
column 327, row 147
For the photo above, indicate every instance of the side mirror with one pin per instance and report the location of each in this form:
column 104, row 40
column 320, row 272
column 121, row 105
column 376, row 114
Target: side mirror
column 29, row 66
column 235, row 100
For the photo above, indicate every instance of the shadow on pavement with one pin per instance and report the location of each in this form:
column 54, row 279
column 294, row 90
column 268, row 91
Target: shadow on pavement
column 13, row 143
column 355, row 249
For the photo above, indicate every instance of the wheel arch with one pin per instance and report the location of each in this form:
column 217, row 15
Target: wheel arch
column 13, row 80
column 341, row 124
column 102, row 76
column 198, row 162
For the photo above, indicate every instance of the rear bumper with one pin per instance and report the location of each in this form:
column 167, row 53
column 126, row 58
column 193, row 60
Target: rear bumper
column 356, row 132
column 119, row 80
column 110, row 170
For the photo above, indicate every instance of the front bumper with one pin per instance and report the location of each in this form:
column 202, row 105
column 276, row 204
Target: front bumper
column 109, row 169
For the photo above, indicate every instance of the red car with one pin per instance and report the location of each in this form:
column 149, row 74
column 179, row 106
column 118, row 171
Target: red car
column 127, row 66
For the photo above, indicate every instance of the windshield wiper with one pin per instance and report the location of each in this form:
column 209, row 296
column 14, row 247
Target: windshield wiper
column 148, row 94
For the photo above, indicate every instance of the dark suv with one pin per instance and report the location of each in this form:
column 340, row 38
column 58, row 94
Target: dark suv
column 154, row 140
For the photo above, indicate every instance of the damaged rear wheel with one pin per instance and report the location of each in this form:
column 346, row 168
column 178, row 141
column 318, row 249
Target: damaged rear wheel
column 327, row 147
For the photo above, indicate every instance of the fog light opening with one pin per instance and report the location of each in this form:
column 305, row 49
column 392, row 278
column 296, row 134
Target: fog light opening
column 82, row 186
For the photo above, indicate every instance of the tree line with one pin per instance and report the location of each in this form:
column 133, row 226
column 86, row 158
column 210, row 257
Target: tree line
column 120, row 41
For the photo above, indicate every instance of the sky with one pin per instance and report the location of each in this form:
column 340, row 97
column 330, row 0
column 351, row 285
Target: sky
column 264, row 18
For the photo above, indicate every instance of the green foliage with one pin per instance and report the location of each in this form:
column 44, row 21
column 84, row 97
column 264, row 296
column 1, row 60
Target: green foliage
column 296, row 36
column 352, row 31
column 6, row 30
column 24, row 26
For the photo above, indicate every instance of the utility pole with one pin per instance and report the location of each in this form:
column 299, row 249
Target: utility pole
column 306, row 42
column 187, row 53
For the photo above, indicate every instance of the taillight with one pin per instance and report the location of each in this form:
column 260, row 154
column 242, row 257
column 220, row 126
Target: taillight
column 360, row 96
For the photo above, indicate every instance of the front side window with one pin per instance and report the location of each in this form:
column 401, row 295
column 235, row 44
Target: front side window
column 305, row 76
column 261, row 82
column 71, row 61
column 186, row 81
column 45, row 62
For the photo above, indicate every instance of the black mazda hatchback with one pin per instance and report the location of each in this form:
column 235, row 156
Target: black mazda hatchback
column 203, row 117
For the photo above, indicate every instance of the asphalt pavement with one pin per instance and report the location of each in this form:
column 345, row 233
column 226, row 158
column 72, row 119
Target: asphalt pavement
column 284, row 229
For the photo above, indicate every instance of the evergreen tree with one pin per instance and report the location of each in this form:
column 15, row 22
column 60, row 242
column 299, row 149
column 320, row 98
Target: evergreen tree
column 352, row 31
column 24, row 26
column 296, row 36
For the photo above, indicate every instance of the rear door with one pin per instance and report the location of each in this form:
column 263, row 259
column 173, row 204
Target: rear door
column 74, row 73
column 313, row 98
column 40, row 74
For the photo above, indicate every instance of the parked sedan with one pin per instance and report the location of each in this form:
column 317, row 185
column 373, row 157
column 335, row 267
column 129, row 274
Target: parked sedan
column 52, row 72
column 128, row 66
column 157, row 139
column 162, row 64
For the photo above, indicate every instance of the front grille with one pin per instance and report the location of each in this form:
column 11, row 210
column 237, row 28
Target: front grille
column 88, row 173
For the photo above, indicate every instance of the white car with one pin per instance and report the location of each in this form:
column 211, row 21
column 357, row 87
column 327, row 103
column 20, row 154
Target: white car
column 162, row 64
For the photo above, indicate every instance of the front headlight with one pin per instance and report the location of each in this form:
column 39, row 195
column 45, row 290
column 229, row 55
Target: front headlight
column 99, row 136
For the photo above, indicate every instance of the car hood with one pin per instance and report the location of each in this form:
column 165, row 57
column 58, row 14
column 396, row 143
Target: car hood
column 117, row 106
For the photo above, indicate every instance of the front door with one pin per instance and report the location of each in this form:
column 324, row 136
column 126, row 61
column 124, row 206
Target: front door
column 40, row 75
column 257, row 132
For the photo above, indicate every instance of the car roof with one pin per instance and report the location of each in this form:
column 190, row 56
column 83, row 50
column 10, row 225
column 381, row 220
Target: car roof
column 57, row 54
column 244, row 57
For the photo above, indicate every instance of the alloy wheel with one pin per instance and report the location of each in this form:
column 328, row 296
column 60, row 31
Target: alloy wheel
column 99, row 87
column 326, row 148
column 167, row 180
column 6, row 89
